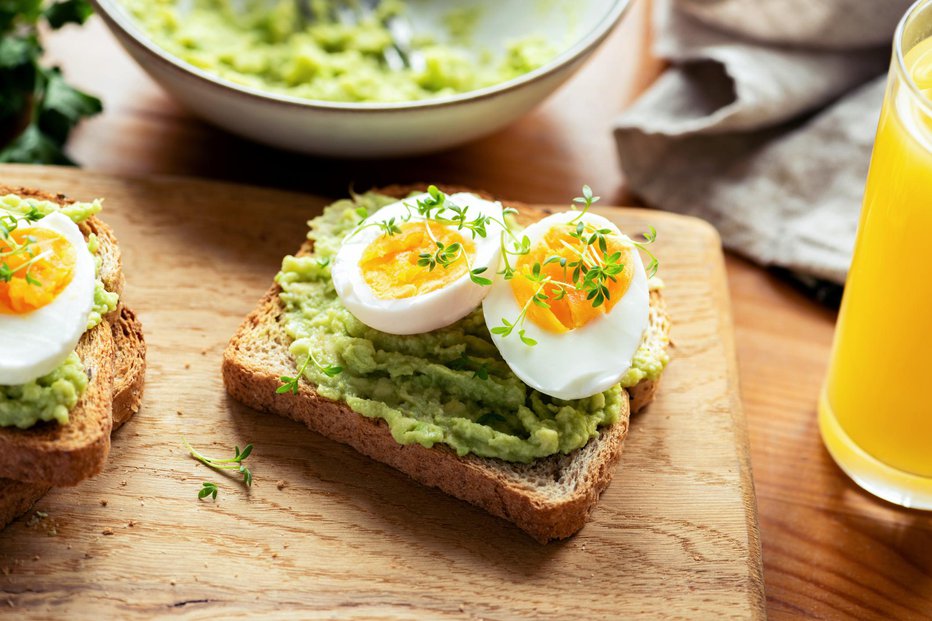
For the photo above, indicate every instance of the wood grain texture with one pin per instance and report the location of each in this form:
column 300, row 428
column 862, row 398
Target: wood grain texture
column 830, row 551
column 328, row 532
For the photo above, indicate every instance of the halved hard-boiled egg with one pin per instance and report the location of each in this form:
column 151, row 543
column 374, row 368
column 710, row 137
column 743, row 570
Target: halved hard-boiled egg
column 420, row 264
column 571, row 318
column 47, row 277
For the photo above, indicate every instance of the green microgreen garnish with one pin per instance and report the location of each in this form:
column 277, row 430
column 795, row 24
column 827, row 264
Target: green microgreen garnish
column 209, row 489
column 508, row 327
column 290, row 384
column 597, row 276
column 389, row 227
column 474, row 275
column 586, row 200
column 445, row 256
column 233, row 463
column 436, row 204
column 476, row 226
column 649, row 238
column 516, row 249
column 436, row 207
column 590, row 268
column 10, row 248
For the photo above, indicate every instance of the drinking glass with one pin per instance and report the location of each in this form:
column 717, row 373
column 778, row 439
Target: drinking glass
column 875, row 415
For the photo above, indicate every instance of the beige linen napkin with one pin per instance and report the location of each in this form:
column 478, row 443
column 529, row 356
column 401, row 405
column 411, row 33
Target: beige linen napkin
column 764, row 122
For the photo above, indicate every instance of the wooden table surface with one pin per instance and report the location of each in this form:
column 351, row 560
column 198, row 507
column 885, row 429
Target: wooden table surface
column 830, row 550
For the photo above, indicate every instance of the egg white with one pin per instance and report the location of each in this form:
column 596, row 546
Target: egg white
column 584, row 361
column 35, row 343
column 428, row 311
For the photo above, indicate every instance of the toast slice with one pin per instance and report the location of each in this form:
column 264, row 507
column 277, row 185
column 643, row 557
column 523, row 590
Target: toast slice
column 16, row 497
column 55, row 454
column 550, row 498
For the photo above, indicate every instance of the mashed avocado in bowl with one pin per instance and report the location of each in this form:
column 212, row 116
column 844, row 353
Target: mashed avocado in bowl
column 270, row 47
column 326, row 87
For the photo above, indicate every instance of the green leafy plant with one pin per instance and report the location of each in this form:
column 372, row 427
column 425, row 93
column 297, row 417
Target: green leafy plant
column 233, row 463
column 18, row 256
column 649, row 238
column 38, row 109
column 290, row 384
column 208, row 489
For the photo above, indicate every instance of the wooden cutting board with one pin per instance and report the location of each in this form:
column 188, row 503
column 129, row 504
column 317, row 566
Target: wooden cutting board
column 325, row 532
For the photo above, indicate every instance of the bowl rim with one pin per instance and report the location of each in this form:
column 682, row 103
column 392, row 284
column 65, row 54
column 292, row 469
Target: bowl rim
column 118, row 18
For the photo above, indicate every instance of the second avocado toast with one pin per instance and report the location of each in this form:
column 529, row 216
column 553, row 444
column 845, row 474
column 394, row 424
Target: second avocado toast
column 112, row 354
column 548, row 496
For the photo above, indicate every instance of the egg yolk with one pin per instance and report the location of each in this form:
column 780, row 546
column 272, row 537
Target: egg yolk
column 36, row 264
column 390, row 263
column 574, row 309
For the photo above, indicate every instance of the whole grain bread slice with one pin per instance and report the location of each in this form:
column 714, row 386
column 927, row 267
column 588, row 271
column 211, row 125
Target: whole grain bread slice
column 55, row 454
column 129, row 363
column 550, row 498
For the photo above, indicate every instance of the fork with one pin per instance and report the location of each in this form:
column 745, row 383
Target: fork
column 400, row 55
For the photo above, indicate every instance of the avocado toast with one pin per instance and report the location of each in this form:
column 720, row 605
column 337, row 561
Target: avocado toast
column 548, row 497
column 112, row 353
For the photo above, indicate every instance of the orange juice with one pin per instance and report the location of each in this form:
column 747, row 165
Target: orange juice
column 875, row 413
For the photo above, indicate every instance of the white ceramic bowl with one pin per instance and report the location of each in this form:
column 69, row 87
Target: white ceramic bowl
column 387, row 129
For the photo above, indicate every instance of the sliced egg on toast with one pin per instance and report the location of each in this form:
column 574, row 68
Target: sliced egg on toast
column 47, row 279
column 404, row 271
column 573, row 345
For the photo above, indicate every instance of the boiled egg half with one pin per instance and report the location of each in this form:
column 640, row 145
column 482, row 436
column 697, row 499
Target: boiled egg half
column 420, row 264
column 574, row 345
column 47, row 277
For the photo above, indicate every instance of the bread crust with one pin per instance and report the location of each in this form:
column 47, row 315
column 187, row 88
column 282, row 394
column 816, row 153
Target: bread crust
column 258, row 355
column 129, row 364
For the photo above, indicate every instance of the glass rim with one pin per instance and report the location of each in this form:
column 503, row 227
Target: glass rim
column 924, row 102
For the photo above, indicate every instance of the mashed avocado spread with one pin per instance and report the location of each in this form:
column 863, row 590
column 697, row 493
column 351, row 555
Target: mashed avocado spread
column 51, row 397
column 450, row 385
column 266, row 45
